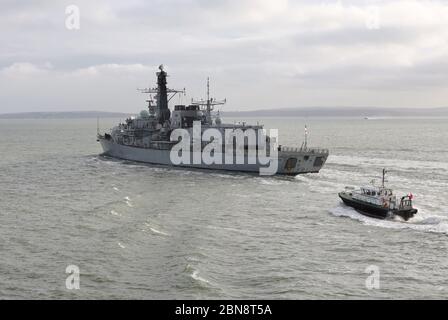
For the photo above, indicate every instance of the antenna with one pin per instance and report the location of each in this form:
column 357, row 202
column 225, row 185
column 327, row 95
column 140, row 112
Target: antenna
column 306, row 137
column 97, row 126
column 208, row 88
column 210, row 103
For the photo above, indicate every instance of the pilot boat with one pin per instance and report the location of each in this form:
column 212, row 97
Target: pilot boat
column 379, row 202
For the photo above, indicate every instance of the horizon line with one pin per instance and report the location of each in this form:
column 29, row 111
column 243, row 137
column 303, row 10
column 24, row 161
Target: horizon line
column 253, row 110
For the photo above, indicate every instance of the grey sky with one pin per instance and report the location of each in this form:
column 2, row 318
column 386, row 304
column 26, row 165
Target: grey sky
column 258, row 53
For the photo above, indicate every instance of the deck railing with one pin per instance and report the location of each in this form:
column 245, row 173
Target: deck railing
column 309, row 150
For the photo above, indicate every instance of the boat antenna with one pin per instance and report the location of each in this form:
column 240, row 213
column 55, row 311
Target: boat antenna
column 97, row 126
column 306, row 137
column 384, row 175
column 208, row 93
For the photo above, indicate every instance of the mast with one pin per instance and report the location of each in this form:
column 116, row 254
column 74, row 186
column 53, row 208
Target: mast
column 384, row 176
column 97, row 126
column 208, row 95
column 209, row 104
column 162, row 111
column 306, row 137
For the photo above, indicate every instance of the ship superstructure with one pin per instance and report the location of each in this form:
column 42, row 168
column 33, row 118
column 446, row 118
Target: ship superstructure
column 149, row 137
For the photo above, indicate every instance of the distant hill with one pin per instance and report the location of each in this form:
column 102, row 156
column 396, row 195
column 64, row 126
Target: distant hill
column 64, row 115
column 369, row 112
column 341, row 112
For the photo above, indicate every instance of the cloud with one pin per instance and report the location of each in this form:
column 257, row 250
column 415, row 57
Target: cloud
column 24, row 69
column 259, row 53
column 112, row 69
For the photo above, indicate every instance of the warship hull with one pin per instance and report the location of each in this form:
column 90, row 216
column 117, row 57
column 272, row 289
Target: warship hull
column 291, row 162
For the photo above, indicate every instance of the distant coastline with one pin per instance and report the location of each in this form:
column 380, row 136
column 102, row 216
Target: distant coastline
column 64, row 115
column 363, row 112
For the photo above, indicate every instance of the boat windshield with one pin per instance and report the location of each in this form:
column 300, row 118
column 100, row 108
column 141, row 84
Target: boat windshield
column 370, row 192
column 376, row 192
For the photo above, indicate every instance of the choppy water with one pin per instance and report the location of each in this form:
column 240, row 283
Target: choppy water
column 139, row 231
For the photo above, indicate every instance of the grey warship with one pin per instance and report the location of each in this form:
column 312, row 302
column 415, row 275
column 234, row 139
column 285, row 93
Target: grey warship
column 148, row 137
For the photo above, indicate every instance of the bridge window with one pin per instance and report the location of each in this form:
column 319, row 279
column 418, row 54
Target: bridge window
column 291, row 163
column 318, row 162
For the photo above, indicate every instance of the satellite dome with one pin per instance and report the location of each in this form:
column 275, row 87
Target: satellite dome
column 144, row 114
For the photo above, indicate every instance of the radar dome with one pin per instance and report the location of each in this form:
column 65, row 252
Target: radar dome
column 144, row 114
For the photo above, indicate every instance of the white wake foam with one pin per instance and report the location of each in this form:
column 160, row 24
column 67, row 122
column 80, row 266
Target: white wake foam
column 158, row 232
column 121, row 246
column 115, row 213
column 153, row 229
column 128, row 201
column 421, row 222
column 194, row 274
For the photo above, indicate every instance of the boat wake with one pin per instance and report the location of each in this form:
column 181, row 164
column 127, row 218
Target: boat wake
column 422, row 222
column 324, row 183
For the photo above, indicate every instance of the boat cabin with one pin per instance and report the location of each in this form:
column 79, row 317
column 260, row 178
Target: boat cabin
column 375, row 195
column 372, row 191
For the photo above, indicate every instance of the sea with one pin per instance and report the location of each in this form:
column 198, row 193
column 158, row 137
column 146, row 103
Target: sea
column 78, row 225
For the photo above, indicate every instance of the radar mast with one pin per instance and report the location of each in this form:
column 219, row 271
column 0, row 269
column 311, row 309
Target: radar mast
column 161, row 110
column 209, row 103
